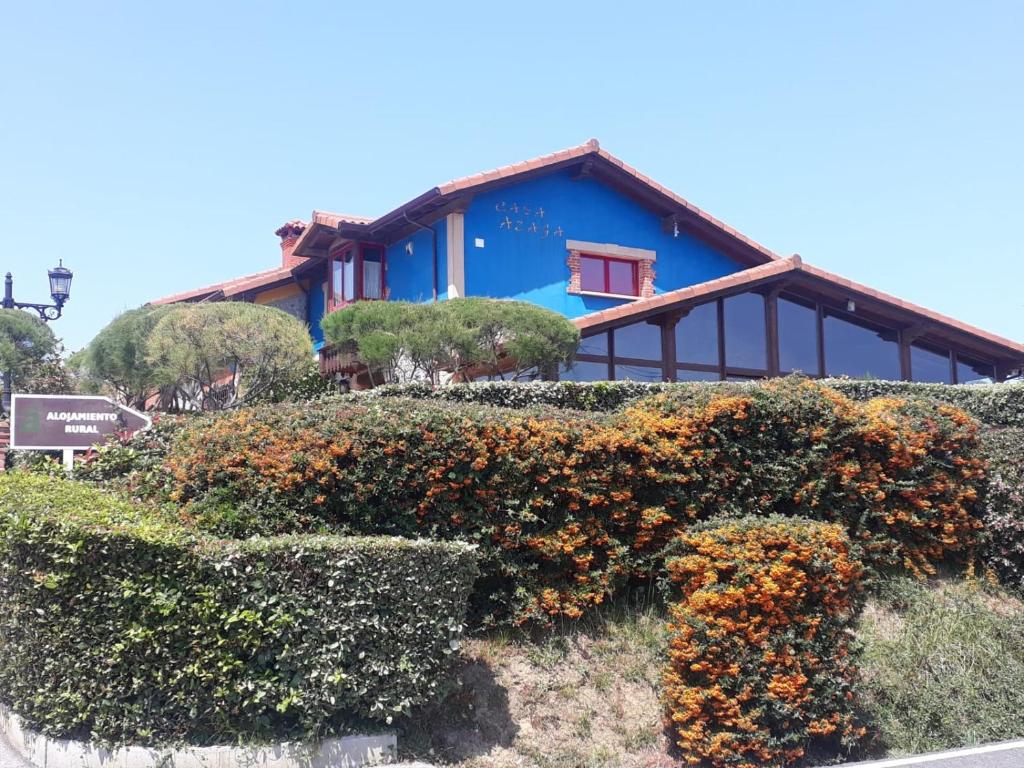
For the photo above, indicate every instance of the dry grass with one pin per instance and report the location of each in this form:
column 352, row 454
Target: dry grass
column 943, row 666
column 585, row 695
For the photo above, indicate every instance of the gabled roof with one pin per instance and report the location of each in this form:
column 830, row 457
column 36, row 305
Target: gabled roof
column 797, row 274
column 234, row 287
column 589, row 158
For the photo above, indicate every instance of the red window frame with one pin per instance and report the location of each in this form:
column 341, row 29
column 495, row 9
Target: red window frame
column 358, row 249
column 606, row 284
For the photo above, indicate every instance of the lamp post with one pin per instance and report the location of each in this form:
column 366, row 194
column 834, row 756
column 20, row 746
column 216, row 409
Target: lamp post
column 60, row 292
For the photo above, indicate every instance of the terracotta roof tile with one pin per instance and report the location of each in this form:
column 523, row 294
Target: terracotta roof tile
column 334, row 219
column 231, row 287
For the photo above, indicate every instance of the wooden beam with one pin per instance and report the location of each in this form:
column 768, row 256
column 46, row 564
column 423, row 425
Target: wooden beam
column 668, row 347
column 820, row 317
column 771, row 315
column 584, row 170
column 905, row 363
column 721, row 338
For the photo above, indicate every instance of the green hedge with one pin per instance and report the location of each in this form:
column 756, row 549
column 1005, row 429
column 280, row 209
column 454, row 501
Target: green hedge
column 997, row 405
column 119, row 624
column 1004, row 504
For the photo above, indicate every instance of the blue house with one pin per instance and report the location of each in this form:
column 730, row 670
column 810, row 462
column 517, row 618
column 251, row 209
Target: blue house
column 660, row 289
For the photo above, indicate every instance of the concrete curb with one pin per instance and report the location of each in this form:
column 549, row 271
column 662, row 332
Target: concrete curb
column 344, row 752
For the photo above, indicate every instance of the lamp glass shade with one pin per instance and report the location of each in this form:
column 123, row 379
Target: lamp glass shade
column 60, row 284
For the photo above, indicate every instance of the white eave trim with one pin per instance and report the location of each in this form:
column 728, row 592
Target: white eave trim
column 611, row 249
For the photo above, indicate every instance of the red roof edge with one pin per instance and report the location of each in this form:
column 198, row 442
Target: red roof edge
column 794, row 263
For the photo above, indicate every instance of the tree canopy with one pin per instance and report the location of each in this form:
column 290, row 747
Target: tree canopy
column 117, row 358
column 403, row 341
column 27, row 346
column 225, row 354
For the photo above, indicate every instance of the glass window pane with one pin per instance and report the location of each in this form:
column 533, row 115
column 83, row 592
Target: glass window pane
column 697, row 336
column 968, row 371
column 373, row 274
column 336, row 278
column 929, row 365
column 798, row 338
column 583, row 370
column 530, row 374
column 860, row 352
column 746, row 344
column 637, row 373
column 348, row 263
column 593, row 345
column 622, row 277
column 592, row 274
column 640, row 340
column 683, row 374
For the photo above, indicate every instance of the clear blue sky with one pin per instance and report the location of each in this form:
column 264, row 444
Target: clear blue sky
column 155, row 147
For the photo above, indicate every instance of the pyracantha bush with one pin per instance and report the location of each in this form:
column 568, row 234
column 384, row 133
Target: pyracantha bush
column 568, row 507
column 760, row 672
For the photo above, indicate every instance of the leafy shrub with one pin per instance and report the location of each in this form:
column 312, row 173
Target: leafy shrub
column 305, row 385
column 999, row 405
column 902, row 477
column 409, row 341
column 223, row 354
column 760, row 671
column 569, row 507
column 116, row 358
column 1004, row 505
column 943, row 666
column 995, row 405
column 118, row 623
column 134, row 463
column 26, row 345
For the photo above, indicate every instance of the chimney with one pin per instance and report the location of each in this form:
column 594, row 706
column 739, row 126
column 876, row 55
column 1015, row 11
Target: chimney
column 289, row 233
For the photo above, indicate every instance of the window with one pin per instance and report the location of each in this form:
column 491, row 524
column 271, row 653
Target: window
column 931, row 365
column 798, row 338
column 625, row 372
column 858, row 350
column 584, row 370
column 640, row 341
column 746, row 343
column 594, row 345
column 373, row 273
column 697, row 336
column 357, row 272
column 600, row 274
column 968, row 370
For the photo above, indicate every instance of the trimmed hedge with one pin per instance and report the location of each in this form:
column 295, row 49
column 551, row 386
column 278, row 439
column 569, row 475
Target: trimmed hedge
column 997, row 405
column 568, row 507
column 760, row 671
column 119, row 624
column 1004, row 505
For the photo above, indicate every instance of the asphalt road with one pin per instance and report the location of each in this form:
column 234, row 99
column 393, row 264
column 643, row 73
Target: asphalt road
column 1008, row 754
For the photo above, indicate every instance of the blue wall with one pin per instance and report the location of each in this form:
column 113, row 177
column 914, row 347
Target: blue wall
column 411, row 278
column 530, row 264
column 315, row 311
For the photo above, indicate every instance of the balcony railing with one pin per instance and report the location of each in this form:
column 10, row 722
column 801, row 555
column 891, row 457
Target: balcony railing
column 336, row 358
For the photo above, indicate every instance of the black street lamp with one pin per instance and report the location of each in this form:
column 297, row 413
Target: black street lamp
column 60, row 291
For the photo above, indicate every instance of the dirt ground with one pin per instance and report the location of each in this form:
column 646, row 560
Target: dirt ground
column 587, row 696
